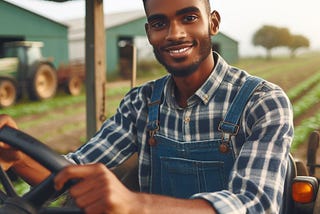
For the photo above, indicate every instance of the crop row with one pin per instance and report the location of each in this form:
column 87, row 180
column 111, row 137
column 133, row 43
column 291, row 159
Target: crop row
column 310, row 89
column 303, row 86
column 303, row 131
column 307, row 101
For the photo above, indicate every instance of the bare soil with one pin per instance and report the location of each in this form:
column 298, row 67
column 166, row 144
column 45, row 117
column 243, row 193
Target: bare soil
column 53, row 132
column 48, row 132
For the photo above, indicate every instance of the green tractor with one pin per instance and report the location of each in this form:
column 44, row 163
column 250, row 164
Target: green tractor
column 24, row 70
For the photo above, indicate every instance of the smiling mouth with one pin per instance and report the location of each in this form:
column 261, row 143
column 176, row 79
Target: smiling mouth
column 179, row 52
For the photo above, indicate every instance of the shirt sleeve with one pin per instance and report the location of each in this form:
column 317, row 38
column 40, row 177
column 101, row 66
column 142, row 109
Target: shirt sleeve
column 116, row 141
column 256, row 182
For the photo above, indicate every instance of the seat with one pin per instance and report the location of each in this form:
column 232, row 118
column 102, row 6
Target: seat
column 127, row 173
column 287, row 202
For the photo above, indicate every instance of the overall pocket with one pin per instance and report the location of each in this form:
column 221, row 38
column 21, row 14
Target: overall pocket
column 182, row 178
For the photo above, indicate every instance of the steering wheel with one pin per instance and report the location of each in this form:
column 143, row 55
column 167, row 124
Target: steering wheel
column 33, row 202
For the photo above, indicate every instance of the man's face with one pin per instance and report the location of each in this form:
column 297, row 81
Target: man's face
column 179, row 33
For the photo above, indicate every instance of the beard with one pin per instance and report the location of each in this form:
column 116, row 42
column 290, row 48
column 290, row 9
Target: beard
column 205, row 49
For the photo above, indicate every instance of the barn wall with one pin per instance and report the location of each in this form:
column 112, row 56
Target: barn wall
column 19, row 24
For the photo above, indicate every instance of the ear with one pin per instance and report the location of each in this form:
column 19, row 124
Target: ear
column 146, row 28
column 214, row 22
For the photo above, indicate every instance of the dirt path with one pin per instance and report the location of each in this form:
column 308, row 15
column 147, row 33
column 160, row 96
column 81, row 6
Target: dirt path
column 51, row 133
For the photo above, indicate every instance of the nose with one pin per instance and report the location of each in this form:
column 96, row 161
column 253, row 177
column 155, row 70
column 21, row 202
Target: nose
column 175, row 32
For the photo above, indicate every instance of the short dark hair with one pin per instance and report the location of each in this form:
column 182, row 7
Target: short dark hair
column 208, row 7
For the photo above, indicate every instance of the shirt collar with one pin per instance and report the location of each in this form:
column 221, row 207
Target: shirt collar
column 208, row 88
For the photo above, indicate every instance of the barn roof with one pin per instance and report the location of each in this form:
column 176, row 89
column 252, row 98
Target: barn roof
column 35, row 13
column 110, row 20
column 77, row 26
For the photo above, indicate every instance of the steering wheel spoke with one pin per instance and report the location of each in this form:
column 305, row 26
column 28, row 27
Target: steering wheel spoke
column 7, row 184
column 39, row 195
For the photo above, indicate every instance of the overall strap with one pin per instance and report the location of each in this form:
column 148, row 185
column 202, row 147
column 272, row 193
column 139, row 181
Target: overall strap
column 153, row 113
column 230, row 124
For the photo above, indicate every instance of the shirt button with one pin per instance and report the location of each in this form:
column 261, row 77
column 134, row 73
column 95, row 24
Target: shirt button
column 206, row 97
column 187, row 119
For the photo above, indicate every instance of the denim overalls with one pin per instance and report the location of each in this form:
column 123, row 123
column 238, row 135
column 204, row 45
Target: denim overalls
column 181, row 169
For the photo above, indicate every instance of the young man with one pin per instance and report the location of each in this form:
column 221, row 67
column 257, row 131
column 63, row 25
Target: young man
column 191, row 158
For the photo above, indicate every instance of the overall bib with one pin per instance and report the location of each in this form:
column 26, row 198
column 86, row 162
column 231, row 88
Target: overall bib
column 181, row 169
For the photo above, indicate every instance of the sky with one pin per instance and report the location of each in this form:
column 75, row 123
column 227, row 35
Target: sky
column 239, row 19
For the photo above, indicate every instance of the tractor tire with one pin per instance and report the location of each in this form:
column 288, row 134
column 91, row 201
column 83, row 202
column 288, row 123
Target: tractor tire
column 8, row 93
column 74, row 85
column 44, row 83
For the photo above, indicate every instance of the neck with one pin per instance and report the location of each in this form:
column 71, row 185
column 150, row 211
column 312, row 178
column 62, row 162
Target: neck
column 187, row 86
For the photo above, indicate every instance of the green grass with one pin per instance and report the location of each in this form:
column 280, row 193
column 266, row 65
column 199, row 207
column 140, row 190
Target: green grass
column 23, row 109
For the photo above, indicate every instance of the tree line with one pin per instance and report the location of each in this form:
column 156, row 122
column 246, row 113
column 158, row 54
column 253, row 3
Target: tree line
column 270, row 37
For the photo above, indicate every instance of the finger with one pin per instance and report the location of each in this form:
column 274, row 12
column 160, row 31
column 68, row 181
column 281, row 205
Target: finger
column 7, row 120
column 97, row 181
column 4, row 145
column 69, row 172
column 90, row 197
column 75, row 172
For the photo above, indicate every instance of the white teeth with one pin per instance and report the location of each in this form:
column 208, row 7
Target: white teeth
column 179, row 51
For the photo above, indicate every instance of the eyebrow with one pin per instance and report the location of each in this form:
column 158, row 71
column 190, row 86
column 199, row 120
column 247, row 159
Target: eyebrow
column 179, row 12
column 187, row 10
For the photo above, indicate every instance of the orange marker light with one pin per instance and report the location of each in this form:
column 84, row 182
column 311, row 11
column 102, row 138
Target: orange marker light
column 302, row 192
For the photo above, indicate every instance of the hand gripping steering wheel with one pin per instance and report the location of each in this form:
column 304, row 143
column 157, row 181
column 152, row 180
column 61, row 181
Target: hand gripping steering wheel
column 33, row 202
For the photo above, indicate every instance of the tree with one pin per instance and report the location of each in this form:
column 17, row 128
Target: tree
column 296, row 42
column 271, row 37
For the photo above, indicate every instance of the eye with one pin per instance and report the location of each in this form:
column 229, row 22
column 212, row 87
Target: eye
column 157, row 25
column 190, row 18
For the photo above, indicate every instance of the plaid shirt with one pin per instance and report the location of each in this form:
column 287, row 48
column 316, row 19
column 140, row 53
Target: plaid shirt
column 261, row 146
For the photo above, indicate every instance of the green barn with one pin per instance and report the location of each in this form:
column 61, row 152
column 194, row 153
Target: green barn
column 127, row 28
column 226, row 47
column 19, row 24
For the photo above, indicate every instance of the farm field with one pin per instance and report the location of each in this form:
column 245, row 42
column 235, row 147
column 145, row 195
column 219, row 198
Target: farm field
column 60, row 122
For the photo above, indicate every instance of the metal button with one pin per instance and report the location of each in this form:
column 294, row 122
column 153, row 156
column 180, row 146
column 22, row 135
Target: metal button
column 152, row 141
column 224, row 147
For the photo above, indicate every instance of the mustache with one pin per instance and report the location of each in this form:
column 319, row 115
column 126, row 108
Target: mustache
column 170, row 44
